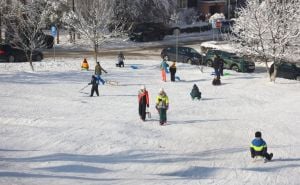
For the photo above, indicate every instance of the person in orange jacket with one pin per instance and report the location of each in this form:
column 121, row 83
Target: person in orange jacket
column 85, row 65
column 143, row 99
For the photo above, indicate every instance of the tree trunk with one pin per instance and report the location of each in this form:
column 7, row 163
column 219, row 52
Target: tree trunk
column 30, row 61
column 57, row 36
column 96, row 52
column 274, row 74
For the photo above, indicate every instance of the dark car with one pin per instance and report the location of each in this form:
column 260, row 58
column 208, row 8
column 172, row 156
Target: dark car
column 148, row 32
column 48, row 41
column 287, row 70
column 11, row 54
column 226, row 26
column 231, row 61
column 185, row 55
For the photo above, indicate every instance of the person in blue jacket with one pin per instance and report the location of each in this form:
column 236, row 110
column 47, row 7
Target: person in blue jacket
column 258, row 147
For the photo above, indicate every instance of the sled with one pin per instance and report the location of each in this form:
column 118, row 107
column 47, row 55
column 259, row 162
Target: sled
column 177, row 78
column 133, row 67
column 148, row 114
column 259, row 159
column 112, row 82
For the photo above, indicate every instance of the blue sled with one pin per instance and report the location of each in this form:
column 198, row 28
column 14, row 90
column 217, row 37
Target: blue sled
column 133, row 67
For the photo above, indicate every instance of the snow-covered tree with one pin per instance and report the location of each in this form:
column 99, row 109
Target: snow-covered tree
column 144, row 10
column 25, row 25
column 93, row 19
column 269, row 29
column 57, row 9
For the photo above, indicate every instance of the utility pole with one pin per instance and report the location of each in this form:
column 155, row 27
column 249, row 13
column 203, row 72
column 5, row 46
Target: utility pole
column 228, row 14
column 1, row 26
column 73, row 8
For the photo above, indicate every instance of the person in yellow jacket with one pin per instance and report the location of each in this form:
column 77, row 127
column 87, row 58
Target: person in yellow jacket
column 85, row 65
column 162, row 105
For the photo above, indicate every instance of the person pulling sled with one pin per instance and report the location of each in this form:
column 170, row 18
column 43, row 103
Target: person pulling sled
column 94, row 82
column 258, row 147
column 162, row 105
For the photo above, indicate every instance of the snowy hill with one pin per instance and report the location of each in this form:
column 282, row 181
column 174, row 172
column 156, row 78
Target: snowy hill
column 52, row 133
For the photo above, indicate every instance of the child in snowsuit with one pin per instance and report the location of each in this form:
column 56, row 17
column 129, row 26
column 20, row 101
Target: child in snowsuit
column 94, row 82
column 195, row 93
column 85, row 65
column 98, row 72
column 162, row 105
column 172, row 70
column 164, row 69
column 258, row 147
column 121, row 59
column 143, row 99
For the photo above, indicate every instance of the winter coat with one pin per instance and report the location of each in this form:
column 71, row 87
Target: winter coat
column 258, row 144
column 143, row 97
column 121, row 57
column 195, row 93
column 85, row 65
column 162, row 101
column 173, row 68
column 99, row 69
column 217, row 63
column 164, row 65
column 94, row 81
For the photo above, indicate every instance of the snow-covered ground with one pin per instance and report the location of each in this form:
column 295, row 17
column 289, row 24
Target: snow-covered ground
column 52, row 133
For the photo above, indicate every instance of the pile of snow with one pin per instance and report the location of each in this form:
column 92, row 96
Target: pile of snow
column 54, row 133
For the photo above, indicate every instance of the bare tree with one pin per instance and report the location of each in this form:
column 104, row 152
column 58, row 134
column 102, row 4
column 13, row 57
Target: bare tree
column 268, row 29
column 93, row 19
column 25, row 26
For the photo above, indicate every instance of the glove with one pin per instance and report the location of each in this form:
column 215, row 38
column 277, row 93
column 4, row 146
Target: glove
column 148, row 106
column 89, row 83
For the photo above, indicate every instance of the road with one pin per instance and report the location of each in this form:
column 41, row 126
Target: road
column 147, row 50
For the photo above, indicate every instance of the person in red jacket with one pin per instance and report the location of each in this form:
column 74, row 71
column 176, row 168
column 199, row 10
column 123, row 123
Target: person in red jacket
column 143, row 99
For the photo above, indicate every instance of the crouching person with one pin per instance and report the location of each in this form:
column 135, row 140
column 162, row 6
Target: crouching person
column 259, row 147
column 162, row 105
column 195, row 93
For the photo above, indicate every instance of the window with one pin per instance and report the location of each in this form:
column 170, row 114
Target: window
column 182, row 3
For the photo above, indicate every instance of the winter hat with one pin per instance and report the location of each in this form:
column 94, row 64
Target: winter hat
column 161, row 90
column 258, row 134
column 143, row 87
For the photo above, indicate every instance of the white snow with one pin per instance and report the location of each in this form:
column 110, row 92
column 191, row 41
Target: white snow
column 53, row 134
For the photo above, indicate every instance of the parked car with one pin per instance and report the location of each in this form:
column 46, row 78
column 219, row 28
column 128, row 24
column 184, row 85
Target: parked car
column 226, row 26
column 148, row 32
column 287, row 70
column 11, row 54
column 185, row 55
column 231, row 61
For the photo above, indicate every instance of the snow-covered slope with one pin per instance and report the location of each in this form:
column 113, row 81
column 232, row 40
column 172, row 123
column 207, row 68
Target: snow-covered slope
column 52, row 133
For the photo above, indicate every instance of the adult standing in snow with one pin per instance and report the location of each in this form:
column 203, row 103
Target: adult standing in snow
column 98, row 72
column 94, row 82
column 164, row 69
column 121, row 59
column 217, row 65
column 172, row 70
column 85, row 65
column 143, row 99
column 162, row 105
column 258, row 147
column 195, row 93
